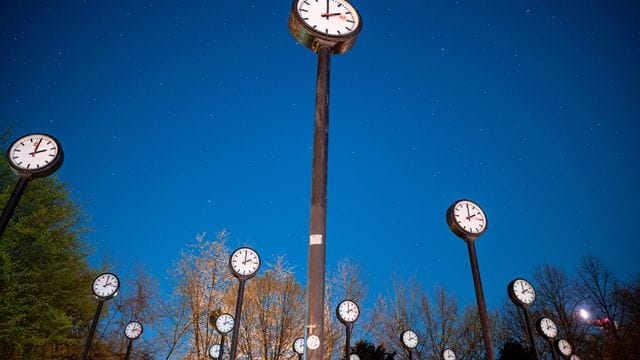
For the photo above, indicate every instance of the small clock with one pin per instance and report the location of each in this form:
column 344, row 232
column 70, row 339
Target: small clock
column 313, row 342
column 466, row 219
column 333, row 23
column 214, row 351
column 244, row 263
column 224, row 323
column 35, row 155
column 133, row 330
column 106, row 286
column 521, row 292
column 574, row 357
column 347, row 311
column 409, row 339
column 448, row 354
column 298, row 346
column 354, row 357
column 563, row 347
column 547, row 328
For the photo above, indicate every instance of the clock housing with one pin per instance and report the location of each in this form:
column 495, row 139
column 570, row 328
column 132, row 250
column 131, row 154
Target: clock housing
column 35, row 155
column 347, row 312
column 133, row 330
column 244, row 263
column 106, row 286
column 521, row 292
column 466, row 219
column 547, row 328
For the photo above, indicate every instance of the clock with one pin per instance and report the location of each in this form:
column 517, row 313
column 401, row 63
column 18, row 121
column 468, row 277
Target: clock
column 410, row 339
column 214, row 351
column 133, row 330
column 313, row 342
column 298, row 346
column 106, row 286
column 244, row 263
column 547, row 328
column 448, row 354
column 574, row 357
column 347, row 311
column 466, row 219
column 332, row 23
column 35, row 155
column 224, row 323
column 521, row 292
column 354, row 357
column 563, row 347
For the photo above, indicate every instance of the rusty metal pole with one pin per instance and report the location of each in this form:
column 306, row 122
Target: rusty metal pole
column 482, row 307
column 314, row 318
column 532, row 338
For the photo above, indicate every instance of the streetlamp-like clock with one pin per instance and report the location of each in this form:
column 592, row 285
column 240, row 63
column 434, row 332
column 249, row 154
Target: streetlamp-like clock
column 105, row 286
column 409, row 339
column 224, row 324
column 132, row 331
column 523, row 295
column 214, row 351
column 548, row 329
column 564, row 348
column 298, row 347
column 244, row 264
column 347, row 312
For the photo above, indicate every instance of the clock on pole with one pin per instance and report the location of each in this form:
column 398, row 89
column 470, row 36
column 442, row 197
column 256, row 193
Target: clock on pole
column 523, row 295
column 244, row 264
column 105, row 286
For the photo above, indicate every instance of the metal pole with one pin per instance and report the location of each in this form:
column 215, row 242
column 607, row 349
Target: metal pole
column 532, row 340
column 92, row 330
column 236, row 327
column 129, row 346
column 553, row 350
column 13, row 202
column 314, row 319
column 221, row 347
column 482, row 308
column 347, row 345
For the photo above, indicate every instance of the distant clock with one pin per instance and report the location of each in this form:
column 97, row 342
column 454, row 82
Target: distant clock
column 214, row 351
column 35, row 155
column 448, row 354
column 298, row 346
column 354, row 357
column 347, row 311
column 244, row 263
column 313, row 342
column 224, row 323
column 133, row 330
column 563, row 347
column 106, row 286
column 521, row 292
column 547, row 328
column 574, row 357
column 466, row 219
column 409, row 339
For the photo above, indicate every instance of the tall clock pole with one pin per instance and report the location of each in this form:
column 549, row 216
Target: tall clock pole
column 325, row 27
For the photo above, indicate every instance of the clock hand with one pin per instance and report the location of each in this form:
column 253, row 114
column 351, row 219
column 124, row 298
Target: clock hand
column 33, row 154
column 468, row 213
column 330, row 15
column 39, row 151
column 327, row 7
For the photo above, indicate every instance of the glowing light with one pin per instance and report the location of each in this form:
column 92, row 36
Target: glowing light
column 584, row 314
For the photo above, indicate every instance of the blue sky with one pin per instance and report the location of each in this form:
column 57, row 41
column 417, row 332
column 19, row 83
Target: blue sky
column 184, row 117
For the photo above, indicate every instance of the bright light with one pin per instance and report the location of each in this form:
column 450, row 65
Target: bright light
column 584, row 314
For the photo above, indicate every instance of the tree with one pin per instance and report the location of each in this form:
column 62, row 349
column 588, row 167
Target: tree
column 368, row 351
column 44, row 308
column 514, row 350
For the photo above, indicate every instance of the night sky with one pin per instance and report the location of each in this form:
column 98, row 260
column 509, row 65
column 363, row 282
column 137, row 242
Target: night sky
column 178, row 118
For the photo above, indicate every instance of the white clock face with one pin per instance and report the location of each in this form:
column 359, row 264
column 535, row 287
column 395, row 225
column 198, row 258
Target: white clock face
column 354, row 357
column 469, row 217
column 549, row 328
column 133, row 330
column 214, row 351
column 33, row 152
column 524, row 291
column 224, row 323
column 329, row 17
column 448, row 354
column 410, row 339
column 298, row 346
column 564, row 347
column 574, row 357
column 313, row 342
column 106, row 285
column 348, row 311
column 245, row 261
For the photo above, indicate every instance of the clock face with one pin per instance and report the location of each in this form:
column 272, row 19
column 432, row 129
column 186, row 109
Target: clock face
column 298, row 346
column 563, row 347
column 448, row 354
column 329, row 17
column 469, row 217
column 106, row 286
column 133, row 330
column 313, row 342
column 410, row 339
column 348, row 311
column 224, row 323
column 244, row 262
column 36, row 154
column 522, row 292
column 574, row 357
column 354, row 357
column 547, row 328
column 214, row 351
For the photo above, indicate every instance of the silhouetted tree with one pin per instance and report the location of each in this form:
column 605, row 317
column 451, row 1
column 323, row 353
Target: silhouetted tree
column 368, row 351
column 514, row 350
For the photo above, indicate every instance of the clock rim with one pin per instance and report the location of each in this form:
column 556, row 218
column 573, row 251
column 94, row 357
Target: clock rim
column 340, row 317
column 541, row 331
column 404, row 343
column 110, row 296
column 44, row 171
column 513, row 296
column 132, row 322
column 237, row 274
column 234, row 323
column 457, row 229
column 313, row 39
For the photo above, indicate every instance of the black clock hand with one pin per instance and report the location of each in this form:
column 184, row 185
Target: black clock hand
column 35, row 152
column 328, row 7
